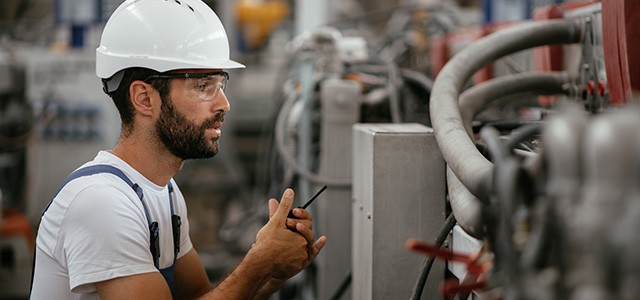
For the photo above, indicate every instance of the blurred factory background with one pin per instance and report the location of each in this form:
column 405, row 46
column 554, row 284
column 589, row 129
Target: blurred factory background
column 472, row 149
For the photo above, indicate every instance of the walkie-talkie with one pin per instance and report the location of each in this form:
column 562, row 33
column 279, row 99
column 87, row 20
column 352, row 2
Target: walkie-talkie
column 324, row 187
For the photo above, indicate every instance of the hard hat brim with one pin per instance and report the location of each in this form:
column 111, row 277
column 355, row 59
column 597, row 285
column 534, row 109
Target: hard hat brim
column 109, row 64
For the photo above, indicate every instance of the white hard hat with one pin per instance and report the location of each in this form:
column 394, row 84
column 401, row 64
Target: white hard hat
column 163, row 35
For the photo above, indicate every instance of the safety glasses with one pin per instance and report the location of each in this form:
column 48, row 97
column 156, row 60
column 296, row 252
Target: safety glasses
column 204, row 86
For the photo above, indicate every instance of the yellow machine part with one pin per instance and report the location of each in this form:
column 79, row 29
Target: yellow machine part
column 258, row 19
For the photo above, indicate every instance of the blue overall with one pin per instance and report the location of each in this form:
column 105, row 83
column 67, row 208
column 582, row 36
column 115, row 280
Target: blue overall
column 167, row 273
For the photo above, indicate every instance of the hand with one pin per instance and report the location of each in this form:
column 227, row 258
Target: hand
column 288, row 252
column 306, row 219
column 300, row 216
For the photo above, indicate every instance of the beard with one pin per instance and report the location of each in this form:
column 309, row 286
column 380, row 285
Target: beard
column 183, row 138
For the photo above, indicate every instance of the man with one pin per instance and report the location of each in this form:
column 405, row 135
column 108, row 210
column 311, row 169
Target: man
column 118, row 228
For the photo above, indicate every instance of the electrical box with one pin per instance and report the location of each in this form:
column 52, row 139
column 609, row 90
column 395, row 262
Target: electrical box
column 399, row 192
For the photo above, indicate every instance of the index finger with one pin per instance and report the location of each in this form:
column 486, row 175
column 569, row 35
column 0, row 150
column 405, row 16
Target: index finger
column 285, row 205
column 273, row 207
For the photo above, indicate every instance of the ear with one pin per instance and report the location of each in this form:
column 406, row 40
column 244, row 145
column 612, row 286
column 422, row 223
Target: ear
column 140, row 93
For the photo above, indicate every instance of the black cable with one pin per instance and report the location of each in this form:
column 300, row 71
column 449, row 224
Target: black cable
column 416, row 293
column 491, row 138
column 509, row 181
column 522, row 134
column 346, row 282
column 422, row 80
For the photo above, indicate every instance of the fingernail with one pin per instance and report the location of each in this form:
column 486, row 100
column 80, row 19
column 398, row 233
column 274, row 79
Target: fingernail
column 288, row 193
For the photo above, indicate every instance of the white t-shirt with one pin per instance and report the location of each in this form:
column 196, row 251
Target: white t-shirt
column 96, row 229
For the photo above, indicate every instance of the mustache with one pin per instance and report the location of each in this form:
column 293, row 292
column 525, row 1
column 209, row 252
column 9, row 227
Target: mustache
column 210, row 122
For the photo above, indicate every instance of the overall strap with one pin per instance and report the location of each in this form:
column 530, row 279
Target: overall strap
column 169, row 272
column 95, row 169
column 176, row 222
column 86, row 171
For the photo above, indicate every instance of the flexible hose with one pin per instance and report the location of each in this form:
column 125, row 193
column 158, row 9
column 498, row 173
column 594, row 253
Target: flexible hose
column 344, row 285
column 520, row 135
column 289, row 159
column 459, row 151
column 477, row 98
column 448, row 225
column 491, row 138
column 466, row 207
column 419, row 78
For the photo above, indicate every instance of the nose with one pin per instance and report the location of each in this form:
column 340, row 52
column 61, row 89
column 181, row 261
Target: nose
column 221, row 103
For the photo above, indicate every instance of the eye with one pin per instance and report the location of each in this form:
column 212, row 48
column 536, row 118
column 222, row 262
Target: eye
column 202, row 84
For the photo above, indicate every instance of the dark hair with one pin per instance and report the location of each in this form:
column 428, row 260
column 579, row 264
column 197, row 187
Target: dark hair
column 121, row 96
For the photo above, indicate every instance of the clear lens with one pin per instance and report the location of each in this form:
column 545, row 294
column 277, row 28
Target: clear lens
column 207, row 88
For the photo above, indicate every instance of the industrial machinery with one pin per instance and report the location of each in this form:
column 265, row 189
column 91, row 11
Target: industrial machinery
column 16, row 237
column 552, row 201
column 336, row 79
column 463, row 160
column 537, row 199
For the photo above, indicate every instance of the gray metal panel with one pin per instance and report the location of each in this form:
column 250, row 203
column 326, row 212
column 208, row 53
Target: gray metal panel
column 362, row 253
column 399, row 193
column 340, row 110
